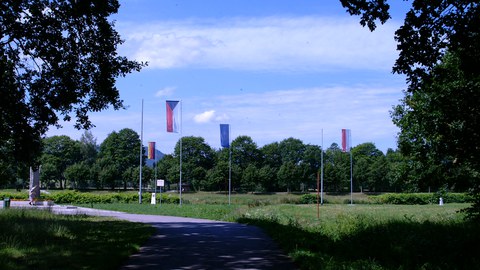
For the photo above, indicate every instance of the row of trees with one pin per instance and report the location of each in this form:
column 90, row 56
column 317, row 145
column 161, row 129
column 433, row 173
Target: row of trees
column 289, row 165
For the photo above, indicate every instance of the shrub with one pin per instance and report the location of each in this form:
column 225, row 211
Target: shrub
column 308, row 199
column 14, row 195
column 421, row 198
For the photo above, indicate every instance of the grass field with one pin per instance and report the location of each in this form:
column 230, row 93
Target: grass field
column 343, row 236
column 359, row 236
column 34, row 239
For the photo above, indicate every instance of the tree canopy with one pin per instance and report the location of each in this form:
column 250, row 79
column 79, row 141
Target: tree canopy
column 439, row 52
column 58, row 61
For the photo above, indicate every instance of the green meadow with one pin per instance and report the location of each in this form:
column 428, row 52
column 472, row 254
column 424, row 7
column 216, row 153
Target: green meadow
column 339, row 235
column 335, row 235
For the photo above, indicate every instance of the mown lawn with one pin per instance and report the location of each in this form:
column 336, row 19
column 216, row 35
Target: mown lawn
column 36, row 239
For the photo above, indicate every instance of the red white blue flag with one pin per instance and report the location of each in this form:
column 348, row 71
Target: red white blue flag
column 224, row 135
column 346, row 140
column 172, row 116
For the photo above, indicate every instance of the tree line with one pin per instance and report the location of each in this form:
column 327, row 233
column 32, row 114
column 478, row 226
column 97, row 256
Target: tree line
column 289, row 165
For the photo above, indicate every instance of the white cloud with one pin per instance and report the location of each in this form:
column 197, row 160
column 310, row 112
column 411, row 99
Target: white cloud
column 271, row 43
column 165, row 92
column 204, row 117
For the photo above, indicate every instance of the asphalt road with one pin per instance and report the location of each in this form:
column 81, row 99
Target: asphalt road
column 187, row 243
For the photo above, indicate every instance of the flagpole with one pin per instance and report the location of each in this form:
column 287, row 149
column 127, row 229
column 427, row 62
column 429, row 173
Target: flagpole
column 321, row 169
column 351, row 178
column 141, row 158
column 181, row 124
column 229, row 167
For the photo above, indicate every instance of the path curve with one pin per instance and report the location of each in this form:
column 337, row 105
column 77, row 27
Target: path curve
column 188, row 243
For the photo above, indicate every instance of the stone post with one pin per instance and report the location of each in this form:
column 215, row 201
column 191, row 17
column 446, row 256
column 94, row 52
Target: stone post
column 34, row 187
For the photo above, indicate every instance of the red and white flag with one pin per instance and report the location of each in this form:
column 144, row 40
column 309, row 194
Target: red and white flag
column 346, row 140
column 172, row 116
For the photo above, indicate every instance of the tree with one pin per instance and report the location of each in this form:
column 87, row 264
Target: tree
column 366, row 170
column 336, row 169
column 290, row 176
column 118, row 153
column 439, row 45
column 292, row 150
column 312, row 158
column 58, row 61
column 245, row 152
column 88, row 147
column 58, row 153
column 78, row 175
column 197, row 158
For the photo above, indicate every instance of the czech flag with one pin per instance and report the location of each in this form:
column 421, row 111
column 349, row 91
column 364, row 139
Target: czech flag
column 224, row 135
column 346, row 140
column 151, row 150
column 172, row 115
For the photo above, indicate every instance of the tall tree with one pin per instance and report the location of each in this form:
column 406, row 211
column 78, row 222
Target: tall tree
column 118, row 153
column 88, row 147
column 58, row 153
column 58, row 61
column 197, row 158
column 337, row 169
column 245, row 153
column 439, row 45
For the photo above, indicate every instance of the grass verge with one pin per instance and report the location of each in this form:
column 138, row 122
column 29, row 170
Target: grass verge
column 35, row 239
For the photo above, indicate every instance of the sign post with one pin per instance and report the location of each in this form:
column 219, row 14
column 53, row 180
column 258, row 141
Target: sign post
column 161, row 184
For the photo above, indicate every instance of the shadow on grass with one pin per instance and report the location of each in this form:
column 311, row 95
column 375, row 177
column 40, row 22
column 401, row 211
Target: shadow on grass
column 394, row 245
column 41, row 240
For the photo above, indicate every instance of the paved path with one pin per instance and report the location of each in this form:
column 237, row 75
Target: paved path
column 187, row 243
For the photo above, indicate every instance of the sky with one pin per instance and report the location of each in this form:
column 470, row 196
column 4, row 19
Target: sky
column 272, row 69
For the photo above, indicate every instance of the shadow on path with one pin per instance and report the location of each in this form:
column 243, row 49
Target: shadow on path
column 186, row 245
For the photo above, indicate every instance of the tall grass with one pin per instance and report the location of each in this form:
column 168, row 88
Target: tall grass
column 372, row 236
column 34, row 239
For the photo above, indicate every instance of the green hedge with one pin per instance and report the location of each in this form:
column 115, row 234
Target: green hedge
column 75, row 197
column 14, row 195
column 421, row 198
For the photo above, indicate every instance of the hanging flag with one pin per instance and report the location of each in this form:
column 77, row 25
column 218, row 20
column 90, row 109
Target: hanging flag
column 172, row 116
column 151, row 150
column 346, row 140
column 224, row 135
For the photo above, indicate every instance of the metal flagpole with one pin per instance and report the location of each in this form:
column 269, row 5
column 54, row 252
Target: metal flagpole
column 318, row 191
column 155, row 178
column 229, row 167
column 351, row 166
column 141, row 159
column 321, row 178
column 181, row 124
column 351, row 178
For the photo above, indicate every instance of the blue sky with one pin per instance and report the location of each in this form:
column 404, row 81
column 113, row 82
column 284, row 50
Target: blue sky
column 272, row 69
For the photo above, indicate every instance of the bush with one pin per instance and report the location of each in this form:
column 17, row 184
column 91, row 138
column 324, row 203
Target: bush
column 308, row 199
column 76, row 197
column 14, row 195
column 421, row 198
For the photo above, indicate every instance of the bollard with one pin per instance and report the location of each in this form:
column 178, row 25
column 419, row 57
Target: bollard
column 6, row 203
